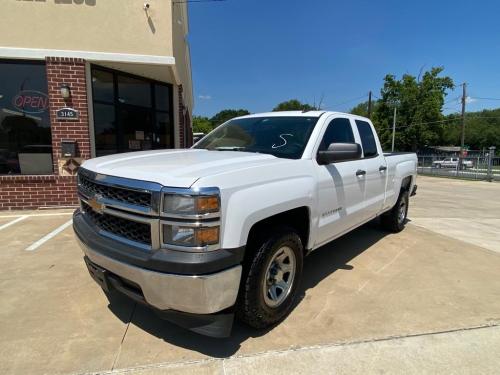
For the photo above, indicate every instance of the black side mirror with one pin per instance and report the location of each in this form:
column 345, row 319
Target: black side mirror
column 339, row 152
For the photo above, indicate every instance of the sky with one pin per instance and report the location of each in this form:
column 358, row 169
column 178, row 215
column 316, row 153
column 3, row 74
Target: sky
column 253, row 54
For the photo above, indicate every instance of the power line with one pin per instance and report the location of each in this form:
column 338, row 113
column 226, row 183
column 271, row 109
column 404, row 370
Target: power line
column 491, row 117
column 452, row 100
column 477, row 97
column 447, row 120
column 350, row 100
column 427, row 123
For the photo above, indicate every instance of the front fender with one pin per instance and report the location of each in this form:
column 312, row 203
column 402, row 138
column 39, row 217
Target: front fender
column 245, row 207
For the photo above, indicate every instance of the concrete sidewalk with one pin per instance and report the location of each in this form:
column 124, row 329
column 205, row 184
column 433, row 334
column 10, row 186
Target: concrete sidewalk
column 370, row 302
column 468, row 351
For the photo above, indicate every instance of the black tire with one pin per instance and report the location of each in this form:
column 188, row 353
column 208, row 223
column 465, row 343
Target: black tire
column 394, row 220
column 251, row 307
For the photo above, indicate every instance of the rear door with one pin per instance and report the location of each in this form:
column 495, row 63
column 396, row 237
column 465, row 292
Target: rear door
column 340, row 189
column 375, row 167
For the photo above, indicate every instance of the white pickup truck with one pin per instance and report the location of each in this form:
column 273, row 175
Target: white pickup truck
column 452, row 163
column 222, row 229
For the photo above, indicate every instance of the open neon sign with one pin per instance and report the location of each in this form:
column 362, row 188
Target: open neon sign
column 31, row 101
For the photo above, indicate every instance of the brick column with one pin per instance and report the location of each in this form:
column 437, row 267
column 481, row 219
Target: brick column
column 71, row 72
column 189, row 129
column 182, row 137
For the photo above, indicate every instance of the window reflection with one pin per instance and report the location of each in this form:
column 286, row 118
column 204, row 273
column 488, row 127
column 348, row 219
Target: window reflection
column 25, row 137
column 138, row 117
column 105, row 129
column 134, row 91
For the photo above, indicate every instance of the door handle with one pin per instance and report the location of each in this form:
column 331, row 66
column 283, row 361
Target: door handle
column 382, row 168
column 360, row 172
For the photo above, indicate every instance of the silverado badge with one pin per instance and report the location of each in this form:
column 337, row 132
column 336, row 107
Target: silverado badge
column 95, row 204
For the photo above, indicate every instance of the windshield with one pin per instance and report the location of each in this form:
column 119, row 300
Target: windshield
column 283, row 137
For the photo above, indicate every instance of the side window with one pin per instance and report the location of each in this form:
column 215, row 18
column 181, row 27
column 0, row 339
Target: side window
column 367, row 138
column 338, row 131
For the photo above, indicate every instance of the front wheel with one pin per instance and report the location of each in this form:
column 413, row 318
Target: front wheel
column 395, row 219
column 271, row 280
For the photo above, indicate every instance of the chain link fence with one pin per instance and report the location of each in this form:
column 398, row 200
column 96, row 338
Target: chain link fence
column 480, row 167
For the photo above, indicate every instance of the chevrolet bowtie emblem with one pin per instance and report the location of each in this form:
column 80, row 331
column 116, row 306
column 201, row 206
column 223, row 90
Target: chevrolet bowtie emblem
column 95, row 204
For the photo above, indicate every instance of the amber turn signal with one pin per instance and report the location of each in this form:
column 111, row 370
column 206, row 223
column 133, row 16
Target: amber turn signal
column 207, row 236
column 207, row 204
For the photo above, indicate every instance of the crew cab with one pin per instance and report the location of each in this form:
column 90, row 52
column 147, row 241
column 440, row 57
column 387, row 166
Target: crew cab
column 452, row 163
column 222, row 229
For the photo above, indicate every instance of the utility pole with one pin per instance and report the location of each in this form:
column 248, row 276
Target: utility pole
column 462, row 138
column 370, row 104
column 394, row 127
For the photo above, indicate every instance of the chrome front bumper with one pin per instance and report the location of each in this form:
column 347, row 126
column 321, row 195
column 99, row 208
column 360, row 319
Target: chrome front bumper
column 204, row 294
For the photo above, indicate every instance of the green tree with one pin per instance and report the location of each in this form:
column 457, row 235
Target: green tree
column 202, row 125
column 482, row 129
column 227, row 114
column 293, row 105
column 419, row 105
column 362, row 109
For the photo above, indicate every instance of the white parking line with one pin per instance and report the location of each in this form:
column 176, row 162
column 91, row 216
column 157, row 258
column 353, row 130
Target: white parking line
column 44, row 239
column 13, row 222
column 35, row 215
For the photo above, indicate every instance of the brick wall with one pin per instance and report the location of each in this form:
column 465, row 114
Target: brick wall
column 29, row 192
column 71, row 72
column 185, row 129
column 181, row 117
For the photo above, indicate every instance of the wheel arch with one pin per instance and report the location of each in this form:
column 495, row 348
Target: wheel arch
column 298, row 219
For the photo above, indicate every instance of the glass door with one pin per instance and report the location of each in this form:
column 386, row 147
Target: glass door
column 137, row 128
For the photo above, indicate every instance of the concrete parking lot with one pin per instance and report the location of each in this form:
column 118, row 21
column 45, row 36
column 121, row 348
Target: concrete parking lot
column 426, row 300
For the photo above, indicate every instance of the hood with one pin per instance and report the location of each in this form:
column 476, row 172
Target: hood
column 176, row 168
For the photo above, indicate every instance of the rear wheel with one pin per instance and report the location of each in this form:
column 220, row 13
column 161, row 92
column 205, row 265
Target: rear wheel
column 395, row 219
column 271, row 279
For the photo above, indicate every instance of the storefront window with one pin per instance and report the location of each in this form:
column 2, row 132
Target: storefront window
column 102, row 83
column 105, row 129
column 134, row 91
column 130, row 113
column 25, row 138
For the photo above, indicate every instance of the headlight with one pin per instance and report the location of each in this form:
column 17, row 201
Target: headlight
column 191, row 219
column 190, row 204
column 190, row 236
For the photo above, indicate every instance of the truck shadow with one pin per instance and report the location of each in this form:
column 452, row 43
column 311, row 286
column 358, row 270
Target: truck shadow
column 317, row 266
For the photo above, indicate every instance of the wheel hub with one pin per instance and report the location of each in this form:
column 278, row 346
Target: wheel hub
column 402, row 212
column 279, row 278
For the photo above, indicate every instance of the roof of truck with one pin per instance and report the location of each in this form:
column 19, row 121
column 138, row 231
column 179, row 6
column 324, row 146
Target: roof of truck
column 296, row 114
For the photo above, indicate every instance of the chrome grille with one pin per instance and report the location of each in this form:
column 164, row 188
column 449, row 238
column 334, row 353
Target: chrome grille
column 90, row 188
column 131, row 230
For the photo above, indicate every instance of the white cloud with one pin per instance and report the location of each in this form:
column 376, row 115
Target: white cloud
column 470, row 100
column 204, row 97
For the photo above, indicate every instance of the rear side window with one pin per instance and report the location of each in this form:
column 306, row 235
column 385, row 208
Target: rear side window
column 338, row 131
column 367, row 138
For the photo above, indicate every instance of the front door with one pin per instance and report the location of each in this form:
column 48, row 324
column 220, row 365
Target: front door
column 137, row 128
column 340, row 189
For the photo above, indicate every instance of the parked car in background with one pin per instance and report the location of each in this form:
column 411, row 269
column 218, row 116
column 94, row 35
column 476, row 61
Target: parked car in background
column 452, row 163
column 221, row 229
column 197, row 137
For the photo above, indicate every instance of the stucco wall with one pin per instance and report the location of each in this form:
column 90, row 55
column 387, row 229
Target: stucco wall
column 182, row 56
column 120, row 26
